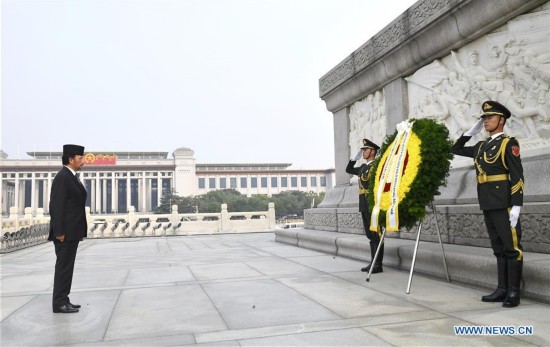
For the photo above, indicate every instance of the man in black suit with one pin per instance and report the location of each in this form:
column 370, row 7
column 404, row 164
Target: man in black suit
column 67, row 224
column 368, row 152
column 500, row 193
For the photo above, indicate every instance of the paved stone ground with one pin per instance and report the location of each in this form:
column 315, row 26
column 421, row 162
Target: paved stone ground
column 241, row 290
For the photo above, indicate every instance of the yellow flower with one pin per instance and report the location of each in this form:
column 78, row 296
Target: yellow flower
column 413, row 160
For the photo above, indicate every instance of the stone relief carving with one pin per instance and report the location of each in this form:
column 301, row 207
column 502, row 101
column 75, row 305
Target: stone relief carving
column 318, row 219
column 367, row 120
column 350, row 220
column 510, row 65
column 337, row 75
column 397, row 31
column 383, row 42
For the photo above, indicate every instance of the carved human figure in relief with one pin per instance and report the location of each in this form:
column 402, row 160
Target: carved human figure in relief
column 360, row 117
column 517, row 75
column 377, row 125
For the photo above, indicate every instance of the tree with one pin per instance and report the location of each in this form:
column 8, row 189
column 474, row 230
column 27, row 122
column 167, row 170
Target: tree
column 211, row 202
column 295, row 202
column 168, row 199
column 286, row 203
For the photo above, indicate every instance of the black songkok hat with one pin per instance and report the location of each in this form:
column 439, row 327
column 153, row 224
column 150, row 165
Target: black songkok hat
column 494, row 108
column 369, row 144
column 73, row 150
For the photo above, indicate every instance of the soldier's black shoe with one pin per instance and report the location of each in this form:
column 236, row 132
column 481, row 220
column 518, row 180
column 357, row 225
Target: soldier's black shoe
column 515, row 269
column 377, row 268
column 497, row 296
column 511, row 300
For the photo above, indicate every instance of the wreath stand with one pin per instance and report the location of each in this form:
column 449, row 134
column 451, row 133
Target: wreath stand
column 415, row 251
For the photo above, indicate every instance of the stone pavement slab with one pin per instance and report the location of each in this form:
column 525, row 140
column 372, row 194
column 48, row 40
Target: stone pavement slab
column 466, row 264
column 242, row 290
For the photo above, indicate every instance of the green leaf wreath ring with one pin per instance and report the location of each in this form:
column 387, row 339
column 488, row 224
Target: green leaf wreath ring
column 414, row 163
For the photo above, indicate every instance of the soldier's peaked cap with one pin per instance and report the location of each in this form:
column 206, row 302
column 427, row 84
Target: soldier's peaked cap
column 369, row 144
column 73, row 150
column 490, row 108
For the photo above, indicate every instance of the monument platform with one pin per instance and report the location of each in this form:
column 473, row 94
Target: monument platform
column 466, row 264
column 244, row 290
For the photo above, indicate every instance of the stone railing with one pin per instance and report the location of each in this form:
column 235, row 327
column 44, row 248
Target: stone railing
column 140, row 225
column 23, row 231
column 24, row 237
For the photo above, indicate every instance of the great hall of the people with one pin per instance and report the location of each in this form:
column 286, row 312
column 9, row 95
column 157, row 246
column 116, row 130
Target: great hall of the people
column 117, row 180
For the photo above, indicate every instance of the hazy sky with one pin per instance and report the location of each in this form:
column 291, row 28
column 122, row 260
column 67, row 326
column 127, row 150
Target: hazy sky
column 234, row 80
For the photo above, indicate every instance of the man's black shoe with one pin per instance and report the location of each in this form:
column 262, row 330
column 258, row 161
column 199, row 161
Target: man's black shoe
column 65, row 309
column 73, row 305
column 365, row 269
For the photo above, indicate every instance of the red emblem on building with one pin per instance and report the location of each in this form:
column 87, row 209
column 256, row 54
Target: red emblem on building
column 99, row 159
column 515, row 151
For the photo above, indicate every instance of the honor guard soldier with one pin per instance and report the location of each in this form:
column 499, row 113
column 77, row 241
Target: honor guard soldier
column 368, row 152
column 500, row 193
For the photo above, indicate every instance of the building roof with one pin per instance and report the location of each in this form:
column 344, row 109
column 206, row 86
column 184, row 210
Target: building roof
column 119, row 154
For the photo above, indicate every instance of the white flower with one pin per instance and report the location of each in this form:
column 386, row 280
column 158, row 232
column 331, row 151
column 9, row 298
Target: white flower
column 404, row 126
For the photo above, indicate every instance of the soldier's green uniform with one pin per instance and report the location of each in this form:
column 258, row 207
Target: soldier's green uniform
column 364, row 173
column 500, row 186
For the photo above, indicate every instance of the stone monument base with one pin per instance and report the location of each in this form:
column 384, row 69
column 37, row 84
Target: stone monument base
column 460, row 219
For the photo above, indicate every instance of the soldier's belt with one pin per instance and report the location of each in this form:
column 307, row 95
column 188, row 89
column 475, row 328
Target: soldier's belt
column 484, row 178
column 363, row 191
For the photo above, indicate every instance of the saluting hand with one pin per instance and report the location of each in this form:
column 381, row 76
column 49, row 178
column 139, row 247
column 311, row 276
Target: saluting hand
column 475, row 129
column 358, row 155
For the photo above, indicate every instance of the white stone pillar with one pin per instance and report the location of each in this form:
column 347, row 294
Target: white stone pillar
column 88, row 219
column 143, row 201
column 175, row 216
column 97, row 193
column 114, row 200
column 224, row 218
column 128, row 192
column 33, row 192
column 45, row 197
column 271, row 213
column 132, row 219
column 92, row 194
column 14, row 215
column 103, row 195
column 16, row 192
column 3, row 197
column 48, row 192
column 159, row 189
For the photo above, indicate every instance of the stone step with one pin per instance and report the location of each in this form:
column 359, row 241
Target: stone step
column 466, row 264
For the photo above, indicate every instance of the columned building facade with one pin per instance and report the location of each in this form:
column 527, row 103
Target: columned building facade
column 117, row 180
column 268, row 179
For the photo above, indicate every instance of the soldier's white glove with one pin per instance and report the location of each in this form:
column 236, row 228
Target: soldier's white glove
column 514, row 215
column 358, row 155
column 475, row 129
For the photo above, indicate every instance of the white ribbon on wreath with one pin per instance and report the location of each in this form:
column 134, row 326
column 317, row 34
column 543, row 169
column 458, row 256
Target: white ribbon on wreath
column 392, row 172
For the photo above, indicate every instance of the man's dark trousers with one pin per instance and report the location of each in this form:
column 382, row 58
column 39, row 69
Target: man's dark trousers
column 64, row 267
